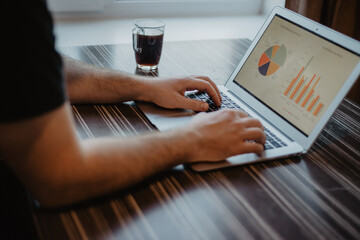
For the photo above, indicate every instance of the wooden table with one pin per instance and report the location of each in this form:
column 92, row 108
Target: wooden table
column 315, row 196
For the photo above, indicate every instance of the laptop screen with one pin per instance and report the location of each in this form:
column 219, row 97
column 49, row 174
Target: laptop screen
column 296, row 73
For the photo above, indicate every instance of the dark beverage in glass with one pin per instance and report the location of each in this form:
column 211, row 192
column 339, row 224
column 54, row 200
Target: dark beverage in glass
column 148, row 36
column 148, row 49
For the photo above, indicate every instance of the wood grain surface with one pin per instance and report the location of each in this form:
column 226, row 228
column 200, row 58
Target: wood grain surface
column 315, row 196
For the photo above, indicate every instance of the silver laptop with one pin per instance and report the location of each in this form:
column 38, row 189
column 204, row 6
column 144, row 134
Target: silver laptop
column 292, row 78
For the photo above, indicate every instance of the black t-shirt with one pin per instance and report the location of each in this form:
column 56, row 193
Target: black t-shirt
column 32, row 80
column 31, row 84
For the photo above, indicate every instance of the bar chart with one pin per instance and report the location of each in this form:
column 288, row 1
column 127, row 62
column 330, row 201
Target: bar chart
column 302, row 91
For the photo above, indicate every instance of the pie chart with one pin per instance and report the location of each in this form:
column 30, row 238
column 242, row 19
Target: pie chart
column 271, row 60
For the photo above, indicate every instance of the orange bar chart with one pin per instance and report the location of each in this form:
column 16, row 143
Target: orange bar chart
column 297, row 88
column 312, row 103
column 304, row 90
column 303, row 93
column 308, row 96
column 293, row 82
column 317, row 109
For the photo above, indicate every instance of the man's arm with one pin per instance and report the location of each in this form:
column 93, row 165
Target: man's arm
column 90, row 84
column 60, row 169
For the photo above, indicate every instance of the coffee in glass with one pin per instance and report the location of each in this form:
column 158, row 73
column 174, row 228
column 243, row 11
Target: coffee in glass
column 148, row 36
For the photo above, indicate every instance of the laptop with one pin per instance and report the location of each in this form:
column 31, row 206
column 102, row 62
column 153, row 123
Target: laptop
column 292, row 78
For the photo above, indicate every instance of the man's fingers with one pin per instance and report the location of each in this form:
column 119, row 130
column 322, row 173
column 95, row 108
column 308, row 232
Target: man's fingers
column 251, row 122
column 252, row 147
column 254, row 134
column 212, row 84
column 206, row 86
column 234, row 113
column 192, row 104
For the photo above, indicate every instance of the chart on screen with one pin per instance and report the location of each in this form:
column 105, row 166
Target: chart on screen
column 302, row 91
column 296, row 73
column 271, row 60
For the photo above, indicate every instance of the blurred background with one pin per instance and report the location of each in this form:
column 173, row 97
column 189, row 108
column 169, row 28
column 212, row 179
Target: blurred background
column 93, row 22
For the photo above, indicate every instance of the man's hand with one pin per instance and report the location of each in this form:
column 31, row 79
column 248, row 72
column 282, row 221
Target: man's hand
column 221, row 134
column 169, row 92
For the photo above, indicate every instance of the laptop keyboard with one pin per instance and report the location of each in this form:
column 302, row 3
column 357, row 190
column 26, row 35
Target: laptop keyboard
column 272, row 141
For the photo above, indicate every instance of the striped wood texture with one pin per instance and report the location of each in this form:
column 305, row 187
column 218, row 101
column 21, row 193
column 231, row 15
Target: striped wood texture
column 315, row 196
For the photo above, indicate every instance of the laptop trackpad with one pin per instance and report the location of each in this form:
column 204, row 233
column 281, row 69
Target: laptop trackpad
column 165, row 119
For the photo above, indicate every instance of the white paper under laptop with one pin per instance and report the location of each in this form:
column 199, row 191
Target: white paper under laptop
column 292, row 78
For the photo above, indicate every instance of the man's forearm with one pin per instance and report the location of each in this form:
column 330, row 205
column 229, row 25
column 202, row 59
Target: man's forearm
column 134, row 159
column 60, row 169
column 90, row 84
column 87, row 83
column 109, row 164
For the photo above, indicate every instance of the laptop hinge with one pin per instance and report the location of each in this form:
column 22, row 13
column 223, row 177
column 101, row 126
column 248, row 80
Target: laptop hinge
column 257, row 113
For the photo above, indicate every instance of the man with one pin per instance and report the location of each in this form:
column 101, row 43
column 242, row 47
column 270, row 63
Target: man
column 37, row 136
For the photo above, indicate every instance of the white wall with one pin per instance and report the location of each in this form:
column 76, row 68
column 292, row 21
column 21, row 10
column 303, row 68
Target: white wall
column 93, row 28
